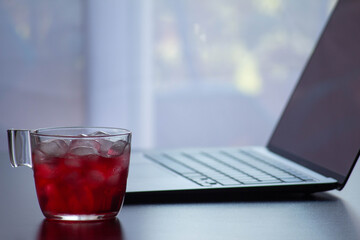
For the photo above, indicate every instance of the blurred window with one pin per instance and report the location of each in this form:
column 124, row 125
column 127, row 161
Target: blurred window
column 41, row 64
column 199, row 73
column 178, row 73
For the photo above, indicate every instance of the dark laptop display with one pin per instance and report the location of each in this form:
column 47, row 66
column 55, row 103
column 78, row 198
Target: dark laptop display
column 320, row 126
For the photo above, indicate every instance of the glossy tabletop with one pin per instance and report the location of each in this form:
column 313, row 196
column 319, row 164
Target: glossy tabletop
column 331, row 215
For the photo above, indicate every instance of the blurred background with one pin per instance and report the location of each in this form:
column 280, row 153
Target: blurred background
column 178, row 73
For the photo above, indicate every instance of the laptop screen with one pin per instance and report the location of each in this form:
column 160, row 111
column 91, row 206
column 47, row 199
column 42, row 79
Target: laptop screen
column 320, row 126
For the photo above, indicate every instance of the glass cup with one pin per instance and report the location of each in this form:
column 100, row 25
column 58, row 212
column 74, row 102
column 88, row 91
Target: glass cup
column 80, row 172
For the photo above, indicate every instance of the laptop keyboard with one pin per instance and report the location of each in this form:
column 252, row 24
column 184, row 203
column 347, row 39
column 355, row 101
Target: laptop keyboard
column 228, row 168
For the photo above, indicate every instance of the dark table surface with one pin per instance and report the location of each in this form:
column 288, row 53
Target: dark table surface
column 331, row 215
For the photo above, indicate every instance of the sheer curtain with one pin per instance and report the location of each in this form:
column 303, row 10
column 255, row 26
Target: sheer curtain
column 178, row 73
column 197, row 73
column 119, row 67
column 41, row 64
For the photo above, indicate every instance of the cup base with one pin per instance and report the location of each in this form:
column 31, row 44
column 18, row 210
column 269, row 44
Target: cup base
column 81, row 217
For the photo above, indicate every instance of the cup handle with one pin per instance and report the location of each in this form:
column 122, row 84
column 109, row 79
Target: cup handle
column 19, row 147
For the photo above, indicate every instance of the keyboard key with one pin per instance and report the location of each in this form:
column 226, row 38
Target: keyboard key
column 291, row 180
column 265, row 178
column 250, row 181
column 204, row 181
column 194, row 175
column 305, row 178
column 228, row 181
column 194, row 164
column 271, row 181
column 168, row 162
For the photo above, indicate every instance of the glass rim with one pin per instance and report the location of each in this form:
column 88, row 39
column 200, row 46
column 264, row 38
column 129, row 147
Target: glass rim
column 122, row 132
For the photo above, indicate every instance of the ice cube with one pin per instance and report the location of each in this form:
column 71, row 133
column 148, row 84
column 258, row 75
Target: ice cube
column 56, row 148
column 83, row 151
column 117, row 148
column 105, row 145
column 84, row 143
column 71, row 177
column 98, row 133
column 127, row 150
column 44, row 171
column 95, row 178
column 38, row 156
column 72, row 162
column 114, row 180
column 114, row 177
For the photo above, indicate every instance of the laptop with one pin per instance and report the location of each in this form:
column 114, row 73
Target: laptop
column 314, row 146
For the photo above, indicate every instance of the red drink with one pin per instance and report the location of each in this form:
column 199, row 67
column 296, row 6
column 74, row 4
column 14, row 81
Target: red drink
column 83, row 177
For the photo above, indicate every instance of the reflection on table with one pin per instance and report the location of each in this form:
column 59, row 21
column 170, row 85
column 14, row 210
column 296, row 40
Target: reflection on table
column 56, row 230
